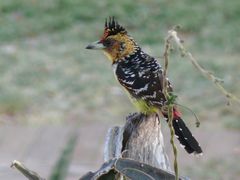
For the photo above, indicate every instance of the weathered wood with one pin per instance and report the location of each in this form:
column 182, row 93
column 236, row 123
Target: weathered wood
column 140, row 139
column 143, row 141
column 31, row 175
column 113, row 143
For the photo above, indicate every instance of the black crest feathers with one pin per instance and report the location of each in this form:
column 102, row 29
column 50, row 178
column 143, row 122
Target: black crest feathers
column 112, row 27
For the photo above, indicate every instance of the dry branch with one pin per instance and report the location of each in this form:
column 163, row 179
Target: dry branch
column 31, row 175
column 172, row 34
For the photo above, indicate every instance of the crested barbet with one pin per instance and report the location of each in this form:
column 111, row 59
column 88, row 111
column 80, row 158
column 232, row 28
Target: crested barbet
column 142, row 77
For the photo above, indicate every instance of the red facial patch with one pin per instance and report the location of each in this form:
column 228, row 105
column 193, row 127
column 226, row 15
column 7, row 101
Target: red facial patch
column 105, row 34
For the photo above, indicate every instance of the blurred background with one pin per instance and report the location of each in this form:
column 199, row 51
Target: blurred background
column 58, row 99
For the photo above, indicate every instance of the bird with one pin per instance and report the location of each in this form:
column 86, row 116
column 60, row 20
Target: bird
column 142, row 77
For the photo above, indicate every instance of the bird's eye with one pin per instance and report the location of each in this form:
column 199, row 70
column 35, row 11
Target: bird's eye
column 107, row 42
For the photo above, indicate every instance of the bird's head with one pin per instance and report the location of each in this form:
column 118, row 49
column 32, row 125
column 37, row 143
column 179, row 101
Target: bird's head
column 115, row 42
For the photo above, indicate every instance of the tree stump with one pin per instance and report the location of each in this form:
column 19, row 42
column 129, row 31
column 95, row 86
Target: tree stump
column 140, row 139
column 146, row 144
column 135, row 151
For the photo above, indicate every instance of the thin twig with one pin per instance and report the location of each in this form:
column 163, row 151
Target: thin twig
column 172, row 34
column 170, row 104
column 170, row 119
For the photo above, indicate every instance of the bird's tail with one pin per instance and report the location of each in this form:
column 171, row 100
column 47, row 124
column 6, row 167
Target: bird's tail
column 184, row 135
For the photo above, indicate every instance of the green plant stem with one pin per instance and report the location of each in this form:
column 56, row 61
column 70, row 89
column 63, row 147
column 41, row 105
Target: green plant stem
column 169, row 104
column 170, row 119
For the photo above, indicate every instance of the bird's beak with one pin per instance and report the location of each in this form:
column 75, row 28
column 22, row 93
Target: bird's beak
column 95, row 45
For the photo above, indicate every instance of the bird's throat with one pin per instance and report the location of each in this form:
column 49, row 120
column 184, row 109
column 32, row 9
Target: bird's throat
column 111, row 56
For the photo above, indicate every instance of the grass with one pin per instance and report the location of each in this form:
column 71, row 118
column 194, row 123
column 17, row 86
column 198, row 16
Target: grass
column 47, row 76
column 213, row 24
column 43, row 55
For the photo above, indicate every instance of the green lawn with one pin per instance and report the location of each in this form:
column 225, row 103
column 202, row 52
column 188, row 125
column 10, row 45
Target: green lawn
column 47, row 75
